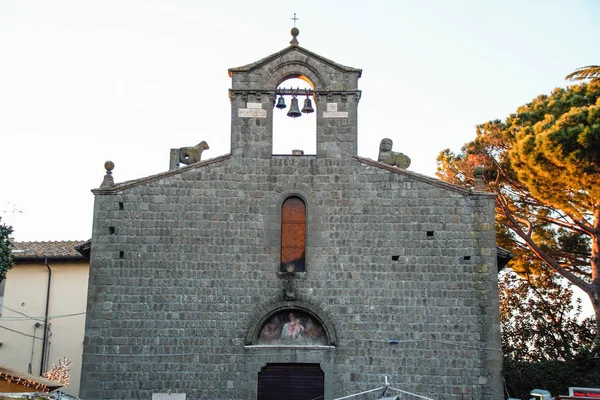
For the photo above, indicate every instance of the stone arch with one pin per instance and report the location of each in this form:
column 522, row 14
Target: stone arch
column 261, row 316
column 289, row 134
column 296, row 69
column 308, row 200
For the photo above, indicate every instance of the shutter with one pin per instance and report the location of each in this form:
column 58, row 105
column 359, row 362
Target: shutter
column 291, row 382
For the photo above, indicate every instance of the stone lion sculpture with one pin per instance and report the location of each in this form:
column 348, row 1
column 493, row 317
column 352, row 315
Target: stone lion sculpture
column 387, row 156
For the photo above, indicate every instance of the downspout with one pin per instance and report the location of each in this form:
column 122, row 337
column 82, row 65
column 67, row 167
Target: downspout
column 45, row 337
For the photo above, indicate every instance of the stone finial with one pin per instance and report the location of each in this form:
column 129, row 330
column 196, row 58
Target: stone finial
column 387, row 156
column 108, row 180
column 479, row 182
column 187, row 155
column 295, row 32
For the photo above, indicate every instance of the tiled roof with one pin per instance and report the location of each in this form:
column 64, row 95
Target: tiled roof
column 39, row 250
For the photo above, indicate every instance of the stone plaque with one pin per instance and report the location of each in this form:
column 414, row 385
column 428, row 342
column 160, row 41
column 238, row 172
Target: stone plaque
column 252, row 113
column 254, row 105
column 335, row 114
column 168, row 396
column 331, row 106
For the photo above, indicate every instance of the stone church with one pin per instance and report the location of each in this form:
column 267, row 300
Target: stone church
column 261, row 276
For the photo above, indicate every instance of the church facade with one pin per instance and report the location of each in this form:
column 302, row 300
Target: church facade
column 261, row 276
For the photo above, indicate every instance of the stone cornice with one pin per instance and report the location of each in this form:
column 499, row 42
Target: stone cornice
column 329, row 94
column 118, row 188
column 257, row 64
column 426, row 179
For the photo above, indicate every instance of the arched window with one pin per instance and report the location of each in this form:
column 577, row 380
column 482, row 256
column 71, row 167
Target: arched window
column 293, row 235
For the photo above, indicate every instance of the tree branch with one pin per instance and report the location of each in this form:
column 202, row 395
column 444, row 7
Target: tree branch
column 577, row 281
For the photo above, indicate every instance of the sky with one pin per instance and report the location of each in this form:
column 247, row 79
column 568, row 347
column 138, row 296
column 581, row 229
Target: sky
column 83, row 82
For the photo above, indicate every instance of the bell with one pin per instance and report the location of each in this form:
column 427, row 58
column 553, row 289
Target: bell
column 294, row 110
column 308, row 108
column 280, row 103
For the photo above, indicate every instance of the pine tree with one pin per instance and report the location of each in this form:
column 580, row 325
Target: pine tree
column 543, row 162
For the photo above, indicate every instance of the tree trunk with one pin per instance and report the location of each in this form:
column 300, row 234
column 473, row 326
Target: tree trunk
column 594, row 293
column 596, row 304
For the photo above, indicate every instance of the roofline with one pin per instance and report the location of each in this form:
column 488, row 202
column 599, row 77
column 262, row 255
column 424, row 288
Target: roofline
column 262, row 61
column 414, row 175
column 424, row 178
column 130, row 184
column 42, row 259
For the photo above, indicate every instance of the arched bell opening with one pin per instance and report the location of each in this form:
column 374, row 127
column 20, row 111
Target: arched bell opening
column 295, row 117
column 301, row 77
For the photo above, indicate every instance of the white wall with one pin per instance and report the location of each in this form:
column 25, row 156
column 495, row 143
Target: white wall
column 24, row 306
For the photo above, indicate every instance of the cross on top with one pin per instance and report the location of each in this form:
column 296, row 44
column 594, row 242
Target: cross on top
column 295, row 19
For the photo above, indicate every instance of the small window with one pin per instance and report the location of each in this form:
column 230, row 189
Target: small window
column 293, row 235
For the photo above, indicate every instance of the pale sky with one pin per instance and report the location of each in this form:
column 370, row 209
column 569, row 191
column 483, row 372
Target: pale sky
column 82, row 82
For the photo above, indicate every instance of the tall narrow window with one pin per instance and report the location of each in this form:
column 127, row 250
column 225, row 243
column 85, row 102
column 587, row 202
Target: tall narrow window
column 293, row 235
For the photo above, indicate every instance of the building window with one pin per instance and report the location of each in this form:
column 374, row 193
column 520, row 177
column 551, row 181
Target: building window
column 293, row 235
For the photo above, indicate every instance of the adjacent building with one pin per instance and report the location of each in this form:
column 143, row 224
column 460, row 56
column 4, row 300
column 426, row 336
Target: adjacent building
column 42, row 315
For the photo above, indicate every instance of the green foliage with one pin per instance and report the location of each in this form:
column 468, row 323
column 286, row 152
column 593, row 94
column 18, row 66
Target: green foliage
column 556, row 148
column 555, row 376
column 543, row 162
column 6, row 257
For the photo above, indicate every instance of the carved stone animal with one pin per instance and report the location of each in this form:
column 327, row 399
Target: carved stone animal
column 187, row 155
column 387, row 156
column 191, row 155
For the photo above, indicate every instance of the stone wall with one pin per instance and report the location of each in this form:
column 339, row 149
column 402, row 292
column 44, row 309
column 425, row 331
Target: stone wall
column 178, row 287
column 335, row 91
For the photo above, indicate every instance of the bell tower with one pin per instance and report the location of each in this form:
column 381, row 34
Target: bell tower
column 254, row 93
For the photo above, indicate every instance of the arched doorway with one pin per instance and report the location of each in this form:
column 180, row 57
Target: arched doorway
column 290, row 353
column 291, row 382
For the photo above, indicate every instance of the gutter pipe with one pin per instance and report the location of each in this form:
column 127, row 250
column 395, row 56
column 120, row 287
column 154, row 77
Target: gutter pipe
column 45, row 337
